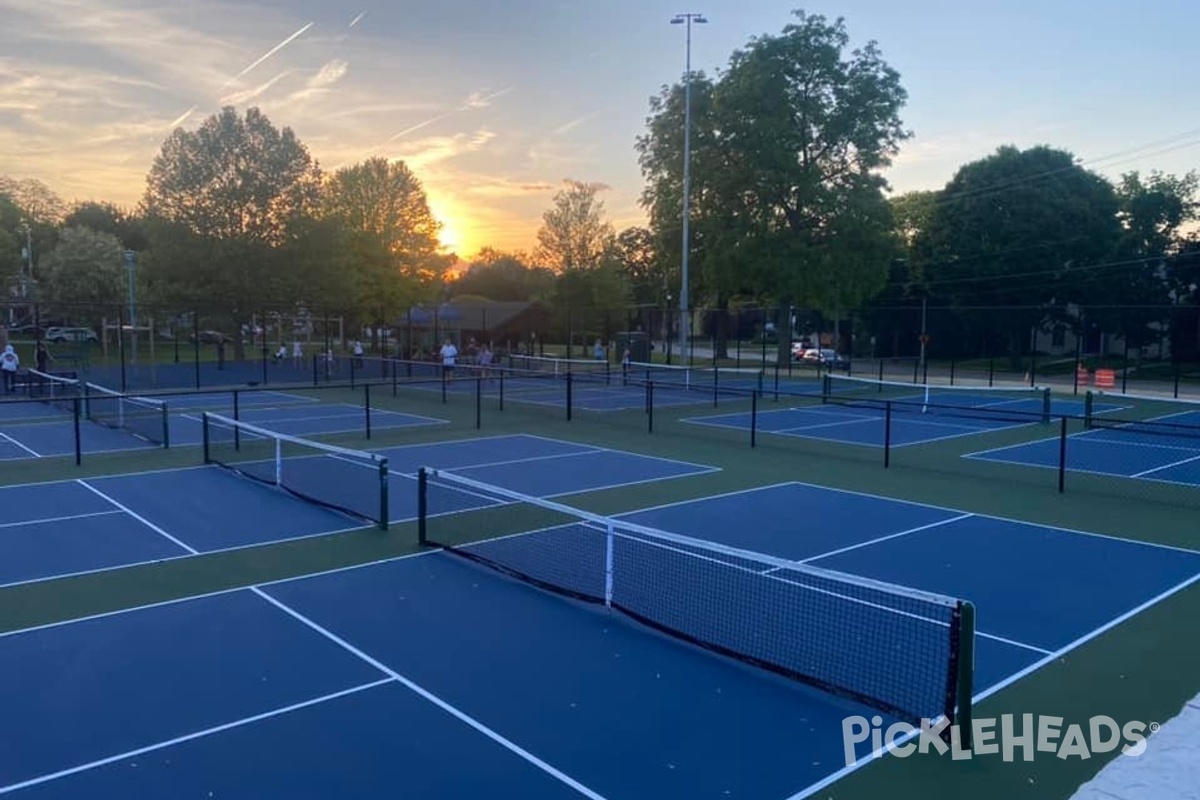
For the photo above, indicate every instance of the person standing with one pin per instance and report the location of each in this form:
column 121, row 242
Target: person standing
column 10, row 363
column 449, row 354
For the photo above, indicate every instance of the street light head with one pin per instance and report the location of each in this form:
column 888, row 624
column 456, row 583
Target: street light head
column 701, row 20
column 677, row 21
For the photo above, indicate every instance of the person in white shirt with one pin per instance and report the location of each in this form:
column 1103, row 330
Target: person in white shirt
column 10, row 362
column 358, row 354
column 449, row 354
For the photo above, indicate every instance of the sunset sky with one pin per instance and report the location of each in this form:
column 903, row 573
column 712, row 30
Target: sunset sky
column 493, row 105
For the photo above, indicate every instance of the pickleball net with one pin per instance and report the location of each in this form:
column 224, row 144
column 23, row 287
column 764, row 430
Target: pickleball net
column 143, row 417
column 683, row 376
column 1019, row 402
column 901, row 651
column 56, row 391
column 353, row 482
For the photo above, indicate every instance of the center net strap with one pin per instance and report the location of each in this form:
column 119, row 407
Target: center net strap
column 899, row 650
column 353, row 482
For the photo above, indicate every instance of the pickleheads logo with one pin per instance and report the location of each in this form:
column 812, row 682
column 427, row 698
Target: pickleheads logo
column 1004, row 737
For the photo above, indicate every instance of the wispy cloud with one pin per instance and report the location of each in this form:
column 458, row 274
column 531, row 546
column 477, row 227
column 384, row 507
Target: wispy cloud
column 254, row 92
column 423, row 153
column 567, row 127
column 493, row 187
column 356, row 20
column 474, row 102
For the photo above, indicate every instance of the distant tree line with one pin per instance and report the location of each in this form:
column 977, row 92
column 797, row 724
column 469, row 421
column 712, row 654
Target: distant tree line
column 789, row 208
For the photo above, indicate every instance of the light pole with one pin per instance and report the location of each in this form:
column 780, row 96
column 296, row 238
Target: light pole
column 686, row 19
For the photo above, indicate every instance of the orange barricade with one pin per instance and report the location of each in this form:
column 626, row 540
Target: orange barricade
column 1105, row 378
column 1082, row 375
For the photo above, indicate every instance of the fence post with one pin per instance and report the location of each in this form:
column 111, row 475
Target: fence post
column 78, row 441
column 570, row 402
column 650, row 406
column 367, row 406
column 478, row 403
column 1062, row 456
column 422, row 505
column 753, row 419
column 887, row 435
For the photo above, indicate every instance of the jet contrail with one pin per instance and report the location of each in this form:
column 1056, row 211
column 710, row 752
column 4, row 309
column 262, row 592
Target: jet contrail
column 357, row 19
column 272, row 52
column 179, row 120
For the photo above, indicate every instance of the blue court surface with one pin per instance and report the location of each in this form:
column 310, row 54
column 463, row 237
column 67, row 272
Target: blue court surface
column 426, row 676
column 288, row 414
column 1127, row 451
column 867, row 425
column 50, row 530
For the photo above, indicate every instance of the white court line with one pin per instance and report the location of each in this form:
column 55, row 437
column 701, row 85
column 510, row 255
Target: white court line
column 1178, row 463
column 879, row 539
column 275, row 712
column 29, row 450
column 137, row 516
column 46, row 520
column 432, row 698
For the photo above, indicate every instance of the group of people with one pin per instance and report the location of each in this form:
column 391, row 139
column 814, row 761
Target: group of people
column 330, row 359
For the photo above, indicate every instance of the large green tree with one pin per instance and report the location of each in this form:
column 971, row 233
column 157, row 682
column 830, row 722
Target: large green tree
column 390, row 247
column 1015, row 238
column 108, row 218
column 788, row 147
column 221, row 202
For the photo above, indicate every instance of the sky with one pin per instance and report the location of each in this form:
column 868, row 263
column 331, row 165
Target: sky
column 495, row 105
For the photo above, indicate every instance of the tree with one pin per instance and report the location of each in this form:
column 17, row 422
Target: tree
column 1016, row 237
column 506, row 276
column 40, row 211
column 223, row 199
column 86, row 267
column 390, row 234
column 649, row 275
column 788, row 144
column 574, row 233
column 108, row 218
column 12, row 240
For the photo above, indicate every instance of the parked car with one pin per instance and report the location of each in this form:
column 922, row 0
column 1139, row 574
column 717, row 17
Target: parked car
column 71, row 335
column 823, row 356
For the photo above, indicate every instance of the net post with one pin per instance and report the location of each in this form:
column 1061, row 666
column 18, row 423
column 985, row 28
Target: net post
column 352, row 360
column 445, row 380
column 1062, row 456
column 395, row 382
column 166, row 427
column 384, row 512
column 753, row 420
column 478, row 403
column 279, row 462
column 316, row 378
column 1089, row 408
column 501, row 391
column 204, row 427
column 716, row 378
column 827, row 388
column 78, row 409
column 887, row 435
column 965, row 669
column 1046, row 404
column 570, row 399
column 422, row 506
column 367, row 406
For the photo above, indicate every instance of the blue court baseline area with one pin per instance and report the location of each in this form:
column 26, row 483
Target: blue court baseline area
column 53, row 530
column 57, row 439
column 1126, row 450
column 501, row 684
